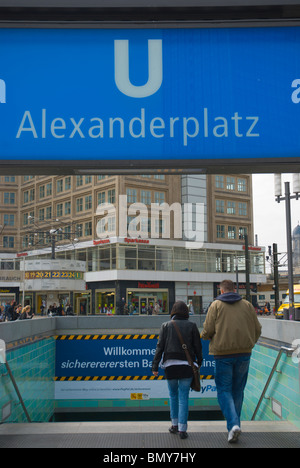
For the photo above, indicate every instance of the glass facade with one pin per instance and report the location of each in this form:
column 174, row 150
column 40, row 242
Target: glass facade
column 106, row 295
column 142, row 256
column 105, row 301
column 151, row 302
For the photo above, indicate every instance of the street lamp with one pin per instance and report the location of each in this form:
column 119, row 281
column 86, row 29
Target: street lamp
column 53, row 233
column 287, row 198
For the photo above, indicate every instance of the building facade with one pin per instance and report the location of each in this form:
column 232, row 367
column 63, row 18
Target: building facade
column 147, row 240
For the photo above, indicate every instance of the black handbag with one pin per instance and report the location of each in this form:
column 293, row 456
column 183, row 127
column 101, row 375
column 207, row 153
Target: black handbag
column 195, row 384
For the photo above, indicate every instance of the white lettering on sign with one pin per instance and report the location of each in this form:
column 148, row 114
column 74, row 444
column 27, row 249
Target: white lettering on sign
column 155, row 69
column 296, row 94
column 142, row 126
column 2, row 92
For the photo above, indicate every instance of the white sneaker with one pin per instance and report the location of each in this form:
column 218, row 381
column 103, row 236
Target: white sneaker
column 233, row 434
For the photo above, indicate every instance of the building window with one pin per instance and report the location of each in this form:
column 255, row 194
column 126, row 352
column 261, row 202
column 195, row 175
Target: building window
column 59, row 209
column 131, row 195
column 49, row 212
column 79, row 230
column 67, row 183
column 49, row 189
column 67, row 232
column 79, row 205
column 9, row 219
column 220, row 231
column 146, row 197
column 242, row 209
column 242, row 232
column 41, row 214
column 231, row 208
column 219, row 206
column 26, row 219
column 106, row 224
column 231, row 232
column 79, row 181
column 67, row 208
column 100, row 198
column 42, row 191
column 159, row 197
column 219, row 182
column 9, row 198
column 59, row 186
column 8, row 242
column 111, row 196
column 242, row 185
column 88, row 202
column 88, row 228
column 230, row 183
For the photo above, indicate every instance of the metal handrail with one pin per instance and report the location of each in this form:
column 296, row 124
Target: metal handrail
column 3, row 360
column 17, row 391
column 288, row 352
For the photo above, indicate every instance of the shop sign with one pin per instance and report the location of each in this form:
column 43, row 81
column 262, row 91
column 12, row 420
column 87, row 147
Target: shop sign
column 101, row 241
column 129, row 240
column 116, row 366
column 157, row 98
column 9, row 276
column 148, row 285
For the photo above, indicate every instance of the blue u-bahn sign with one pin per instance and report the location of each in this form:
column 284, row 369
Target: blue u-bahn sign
column 92, row 97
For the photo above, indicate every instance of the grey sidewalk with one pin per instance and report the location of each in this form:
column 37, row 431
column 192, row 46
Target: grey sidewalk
column 144, row 435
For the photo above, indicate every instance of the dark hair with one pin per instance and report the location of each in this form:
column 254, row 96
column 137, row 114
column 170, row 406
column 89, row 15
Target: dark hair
column 227, row 286
column 181, row 309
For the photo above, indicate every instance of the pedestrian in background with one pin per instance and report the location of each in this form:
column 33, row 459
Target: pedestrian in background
column 26, row 313
column 16, row 312
column 178, row 372
column 233, row 329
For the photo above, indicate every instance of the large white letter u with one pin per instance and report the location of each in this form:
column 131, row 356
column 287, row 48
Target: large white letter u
column 2, row 92
column 154, row 65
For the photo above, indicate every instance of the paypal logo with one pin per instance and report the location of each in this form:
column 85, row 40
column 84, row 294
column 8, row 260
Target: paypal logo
column 155, row 73
column 2, row 92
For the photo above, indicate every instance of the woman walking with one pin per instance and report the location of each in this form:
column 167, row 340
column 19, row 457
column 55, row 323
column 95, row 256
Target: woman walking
column 178, row 372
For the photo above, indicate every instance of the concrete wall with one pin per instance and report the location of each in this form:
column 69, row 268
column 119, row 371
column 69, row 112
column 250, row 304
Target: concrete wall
column 283, row 331
column 20, row 329
column 277, row 330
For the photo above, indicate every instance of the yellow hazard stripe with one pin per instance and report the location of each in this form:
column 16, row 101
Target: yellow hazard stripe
column 106, row 337
column 121, row 377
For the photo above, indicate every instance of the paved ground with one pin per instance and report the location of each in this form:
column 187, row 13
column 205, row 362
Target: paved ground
column 146, row 435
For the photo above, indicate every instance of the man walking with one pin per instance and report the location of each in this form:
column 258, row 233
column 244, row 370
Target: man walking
column 233, row 328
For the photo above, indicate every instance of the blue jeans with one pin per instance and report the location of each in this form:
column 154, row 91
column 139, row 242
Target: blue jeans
column 179, row 401
column 231, row 378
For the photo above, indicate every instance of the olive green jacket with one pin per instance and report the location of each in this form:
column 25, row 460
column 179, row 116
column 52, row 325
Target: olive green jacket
column 232, row 328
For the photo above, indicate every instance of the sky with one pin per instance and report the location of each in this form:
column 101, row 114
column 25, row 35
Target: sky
column 269, row 216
